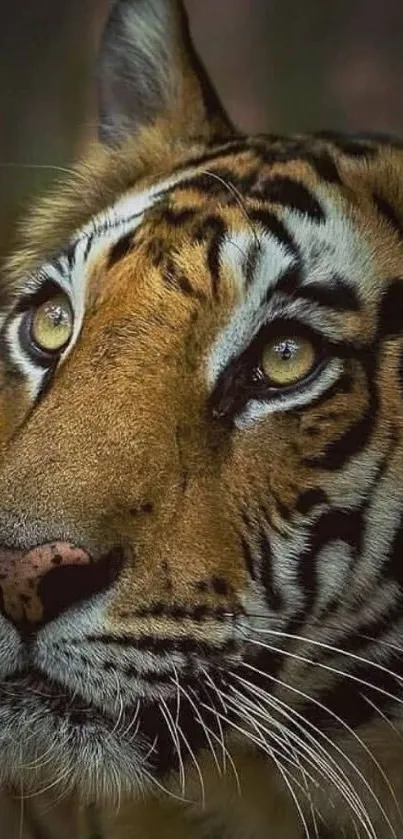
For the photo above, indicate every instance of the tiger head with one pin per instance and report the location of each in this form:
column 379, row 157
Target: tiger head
column 201, row 423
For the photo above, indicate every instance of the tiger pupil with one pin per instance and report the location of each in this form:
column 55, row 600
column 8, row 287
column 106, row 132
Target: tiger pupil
column 286, row 350
column 56, row 315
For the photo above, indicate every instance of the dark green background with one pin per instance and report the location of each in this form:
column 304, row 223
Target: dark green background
column 278, row 64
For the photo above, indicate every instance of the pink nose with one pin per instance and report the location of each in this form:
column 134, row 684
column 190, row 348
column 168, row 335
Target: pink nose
column 25, row 577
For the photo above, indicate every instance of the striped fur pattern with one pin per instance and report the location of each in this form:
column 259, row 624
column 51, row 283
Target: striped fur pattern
column 239, row 675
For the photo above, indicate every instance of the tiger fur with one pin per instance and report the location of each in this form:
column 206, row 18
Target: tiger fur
column 201, row 593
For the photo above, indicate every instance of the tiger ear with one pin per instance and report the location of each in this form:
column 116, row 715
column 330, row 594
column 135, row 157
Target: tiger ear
column 148, row 72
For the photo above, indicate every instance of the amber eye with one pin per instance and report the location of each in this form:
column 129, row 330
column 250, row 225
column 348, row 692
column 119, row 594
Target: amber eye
column 288, row 359
column 52, row 324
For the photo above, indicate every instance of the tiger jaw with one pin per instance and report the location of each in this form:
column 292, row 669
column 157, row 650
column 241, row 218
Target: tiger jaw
column 46, row 744
column 104, row 726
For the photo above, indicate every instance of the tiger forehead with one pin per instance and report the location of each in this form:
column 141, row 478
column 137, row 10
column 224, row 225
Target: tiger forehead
column 361, row 172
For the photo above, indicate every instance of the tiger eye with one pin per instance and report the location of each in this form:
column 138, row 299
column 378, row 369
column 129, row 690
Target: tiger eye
column 52, row 324
column 287, row 360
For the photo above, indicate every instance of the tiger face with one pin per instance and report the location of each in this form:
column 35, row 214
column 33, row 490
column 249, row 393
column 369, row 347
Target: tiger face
column 200, row 474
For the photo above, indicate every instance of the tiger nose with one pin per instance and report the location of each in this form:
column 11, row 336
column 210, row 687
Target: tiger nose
column 38, row 584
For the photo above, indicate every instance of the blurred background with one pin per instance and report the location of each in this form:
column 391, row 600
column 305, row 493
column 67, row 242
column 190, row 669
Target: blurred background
column 279, row 65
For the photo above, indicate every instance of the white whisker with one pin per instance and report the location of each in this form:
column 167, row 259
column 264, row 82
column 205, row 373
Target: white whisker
column 172, row 728
column 203, row 725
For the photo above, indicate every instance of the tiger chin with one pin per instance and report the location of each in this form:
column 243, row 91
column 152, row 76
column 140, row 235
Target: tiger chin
column 201, row 564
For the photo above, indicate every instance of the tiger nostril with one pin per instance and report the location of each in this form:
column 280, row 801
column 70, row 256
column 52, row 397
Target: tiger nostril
column 38, row 584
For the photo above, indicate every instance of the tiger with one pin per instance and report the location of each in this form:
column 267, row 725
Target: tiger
column 201, row 495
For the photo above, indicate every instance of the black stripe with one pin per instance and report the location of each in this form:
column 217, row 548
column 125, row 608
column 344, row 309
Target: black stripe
column 218, row 152
column 213, row 261
column 288, row 282
column 336, row 294
column 121, row 248
column 68, row 253
column 392, row 567
column 344, row 384
column 389, row 213
column 213, row 230
column 248, row 557
column 347, row 699
column 210, row 185
column 90, row 240
column 274, row 597
column 187, row 646
column 375, row 630
column 340, row 450
column 251, row 262
column 150, row 677
column 324, row 166
column 272, row 224
column 390, row 317
column 335, row 525
column 310, row 499
column 178, row 218
column 292, row 194
column 355, row 148
column 178, row 281
column 269, row 152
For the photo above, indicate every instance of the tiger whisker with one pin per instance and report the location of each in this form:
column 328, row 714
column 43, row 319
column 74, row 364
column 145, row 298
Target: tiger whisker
column 203, row 725
column 132, row 722
column 178, row 695
column 151, row 749
column 242, row 711
column 325, row 763
column 224, row 751
column 240, row 201
column 294, row 796
column 121, row 708
column 317, row 757
column 226, row 754
column 37, row 793
column 196, row 764
column 253, row 706
column 339, row 720
column 329, row 624
column 328, row 647
column 398, row 733
column 344, row 673
column 350, row 730
column 173, row 730
column 161, row 787
column 268, row 749
column 40, row 760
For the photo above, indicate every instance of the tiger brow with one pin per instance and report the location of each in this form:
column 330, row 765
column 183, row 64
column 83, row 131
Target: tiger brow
column 335, row 294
